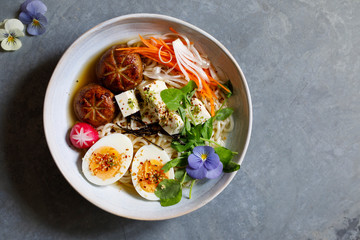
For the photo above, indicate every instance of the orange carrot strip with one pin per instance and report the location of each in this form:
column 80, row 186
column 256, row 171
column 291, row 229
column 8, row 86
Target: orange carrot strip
column 157, row 42
column 208, row 89
column 212, row 79
column 165, row 45
column 147, row 43
column 173, row 30
column 204, row 94
column 142, row 50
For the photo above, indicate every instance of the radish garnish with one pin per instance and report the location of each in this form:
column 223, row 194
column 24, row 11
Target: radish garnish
column 188, row 62
column 83, row 135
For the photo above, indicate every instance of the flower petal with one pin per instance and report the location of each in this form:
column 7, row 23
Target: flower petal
column 35, row 7
column 33, row 29
column 24, row 4
column 2, row 24
column 41, row 18
column 195, row 161
column 212, row 161
column 25, row 18
column 17, row 33
column 215, row 172
column 200, row 150
column 3, row 34
column 199, row 173
column 11, row 45
column 13, row 24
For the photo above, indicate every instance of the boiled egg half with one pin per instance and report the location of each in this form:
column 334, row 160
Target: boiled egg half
column 108, row 159
column 146, row 170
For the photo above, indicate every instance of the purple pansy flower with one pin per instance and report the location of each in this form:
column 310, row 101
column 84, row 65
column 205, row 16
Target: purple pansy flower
column 32, row 13
column 204, row 163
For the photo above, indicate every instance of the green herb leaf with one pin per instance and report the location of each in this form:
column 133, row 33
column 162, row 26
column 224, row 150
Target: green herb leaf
column 180, row 147
column 191, row 187
column 176, row 162
column 187, row 124
column 225, row 155
column 169, row 191
column 180, row 173
column 207, row 128
column 195, row 133
column 182, row 113
column 172, row 98
column 231, row 167
column 189, row 87
column 229, row 86
column 223, row 114
column 191, row 94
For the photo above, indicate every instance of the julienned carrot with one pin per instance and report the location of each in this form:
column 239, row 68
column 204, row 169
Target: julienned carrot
column 152, row 52
column 156, row 40
column 217, row 82
column 166, row 46
column 173, row 30
column 146, row 42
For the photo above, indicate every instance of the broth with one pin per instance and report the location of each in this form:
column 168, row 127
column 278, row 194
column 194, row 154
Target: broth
column 86, row 75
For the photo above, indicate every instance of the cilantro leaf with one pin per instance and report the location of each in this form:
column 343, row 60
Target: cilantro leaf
column 175, row 98
column 187, row 125
column 223, row 114
column 225, row 155
column 207, row 128
column 231, row 167
column 180, row 173
column 195, row 133
column 182, row 147
column 172, row 98
column 176, row 162
column 229, row 86
column 182, row 113
column 189, row 87
column 169, row 191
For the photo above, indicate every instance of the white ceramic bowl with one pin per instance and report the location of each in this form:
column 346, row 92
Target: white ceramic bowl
column 57, row 111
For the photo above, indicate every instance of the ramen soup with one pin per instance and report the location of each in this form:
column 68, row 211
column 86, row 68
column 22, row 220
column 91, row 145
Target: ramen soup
column 159, row 108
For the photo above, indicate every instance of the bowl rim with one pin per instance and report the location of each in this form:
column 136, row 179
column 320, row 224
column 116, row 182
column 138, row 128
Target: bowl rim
column 119, row 19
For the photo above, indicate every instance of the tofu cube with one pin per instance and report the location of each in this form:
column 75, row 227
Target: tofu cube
column 127, row 102
column 198, row 111
column 151, row 92
column 170, row 121
column 148, row 114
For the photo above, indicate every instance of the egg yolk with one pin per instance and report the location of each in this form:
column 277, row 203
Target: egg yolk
column 150, row 175
column 105, row 162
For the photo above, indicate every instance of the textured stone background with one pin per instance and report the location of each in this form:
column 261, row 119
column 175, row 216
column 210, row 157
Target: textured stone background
column 301, row 176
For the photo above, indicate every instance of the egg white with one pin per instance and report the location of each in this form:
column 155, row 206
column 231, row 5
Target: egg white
column 117, row 141
column 148, row 152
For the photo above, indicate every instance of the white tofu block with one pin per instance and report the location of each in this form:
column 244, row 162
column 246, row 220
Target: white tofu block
column 171, row 122
column 152, row 90
column 198, row 111
column 150, row 93
column 148, row 114
column 127, row 102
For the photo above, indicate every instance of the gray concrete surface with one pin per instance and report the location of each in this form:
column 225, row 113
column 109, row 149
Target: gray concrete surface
column 301, row 176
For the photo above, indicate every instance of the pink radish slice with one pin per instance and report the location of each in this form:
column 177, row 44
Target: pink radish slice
column 83, row 135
